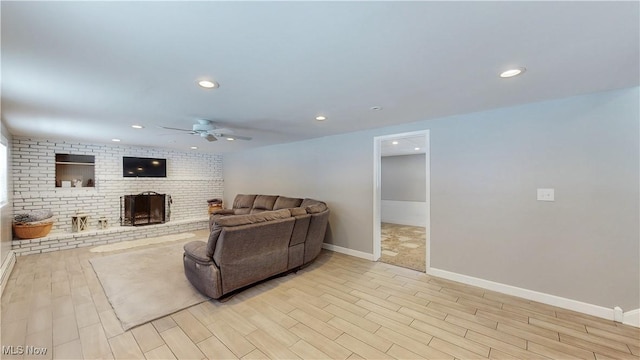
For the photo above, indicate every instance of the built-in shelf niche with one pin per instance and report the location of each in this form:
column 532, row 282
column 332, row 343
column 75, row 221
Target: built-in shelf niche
column 75, row 170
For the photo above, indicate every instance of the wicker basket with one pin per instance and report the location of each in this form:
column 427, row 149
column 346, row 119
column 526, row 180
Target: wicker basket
column 32, row 230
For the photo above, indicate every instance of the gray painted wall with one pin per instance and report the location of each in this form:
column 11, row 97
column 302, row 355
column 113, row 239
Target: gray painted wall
column 485, row 168
column 6, row 213
column 403, row 178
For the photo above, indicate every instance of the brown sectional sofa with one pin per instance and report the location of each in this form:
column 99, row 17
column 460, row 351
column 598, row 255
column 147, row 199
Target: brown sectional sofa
column 261, row 236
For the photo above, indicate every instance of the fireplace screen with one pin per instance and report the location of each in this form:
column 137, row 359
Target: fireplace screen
column 144, row 209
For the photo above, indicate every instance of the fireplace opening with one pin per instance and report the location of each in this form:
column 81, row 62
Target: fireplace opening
column 146, row 208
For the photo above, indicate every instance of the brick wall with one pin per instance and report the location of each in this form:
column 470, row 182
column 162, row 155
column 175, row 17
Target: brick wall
column 192, row 178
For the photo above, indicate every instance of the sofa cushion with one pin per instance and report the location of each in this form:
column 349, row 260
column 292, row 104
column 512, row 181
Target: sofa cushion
column 237, row 220
column 243, row 201
column 297, row 211
column 284, row 202
column 257, row 211
column 265, row 202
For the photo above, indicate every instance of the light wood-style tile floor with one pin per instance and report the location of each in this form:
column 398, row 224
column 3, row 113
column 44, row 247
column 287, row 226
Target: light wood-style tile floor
column 340, row 307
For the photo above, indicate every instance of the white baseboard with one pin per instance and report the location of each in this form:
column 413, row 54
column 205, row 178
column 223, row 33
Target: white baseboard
column 630, row 317
column 343, row 250
column 6, row 269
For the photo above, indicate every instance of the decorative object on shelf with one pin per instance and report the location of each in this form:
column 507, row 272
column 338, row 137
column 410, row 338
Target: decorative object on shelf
column 34, row 224
column 79, row 222
column 90, row 183
column 74, row 168
column 103, row 223
column 214, row 204
column 65, row 184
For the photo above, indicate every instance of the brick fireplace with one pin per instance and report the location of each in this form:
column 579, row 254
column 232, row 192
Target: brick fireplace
column 146, row 208
column 192, row 178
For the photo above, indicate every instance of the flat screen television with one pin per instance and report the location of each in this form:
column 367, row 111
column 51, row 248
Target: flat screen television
column 143, row 167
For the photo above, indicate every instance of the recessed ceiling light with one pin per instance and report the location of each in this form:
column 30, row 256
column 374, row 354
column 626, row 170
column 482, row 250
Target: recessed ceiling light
column 321, row 118
column 115, row 140
column 394, row 142
column 512, row 72
column 208, row 84
column 230, row 139
column 376, row 108
column 416, row 149
column 194, row 148
column 137, row 126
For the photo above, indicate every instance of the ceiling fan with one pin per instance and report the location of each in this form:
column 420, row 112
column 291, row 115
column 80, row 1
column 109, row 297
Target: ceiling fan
column 210, row 131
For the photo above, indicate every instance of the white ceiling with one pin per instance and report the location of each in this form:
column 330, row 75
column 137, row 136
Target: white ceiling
column 88, row 70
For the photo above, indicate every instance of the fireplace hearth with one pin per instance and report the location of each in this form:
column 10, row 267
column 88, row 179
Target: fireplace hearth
column 146, row 208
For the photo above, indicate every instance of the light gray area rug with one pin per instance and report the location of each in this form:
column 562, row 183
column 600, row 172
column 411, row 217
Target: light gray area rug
column 147, row 284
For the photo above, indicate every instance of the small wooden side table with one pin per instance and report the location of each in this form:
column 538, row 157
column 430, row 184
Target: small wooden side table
column 214, row 207
column 79, row 222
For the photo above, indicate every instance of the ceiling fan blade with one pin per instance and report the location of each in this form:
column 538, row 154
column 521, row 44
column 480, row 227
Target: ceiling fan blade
column 221, row 131
column 234, row 137
column 210, row 138
column 170, row 128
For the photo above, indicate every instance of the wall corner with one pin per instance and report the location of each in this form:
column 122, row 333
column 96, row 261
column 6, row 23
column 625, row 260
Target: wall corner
column 6, row 269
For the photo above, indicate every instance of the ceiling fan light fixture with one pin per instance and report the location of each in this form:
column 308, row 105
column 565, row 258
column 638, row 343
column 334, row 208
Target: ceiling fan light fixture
column 208, row 84
column 209, row 131
column 512, row 72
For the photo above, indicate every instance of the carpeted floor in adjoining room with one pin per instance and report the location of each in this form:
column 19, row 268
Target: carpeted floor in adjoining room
column 404, row 245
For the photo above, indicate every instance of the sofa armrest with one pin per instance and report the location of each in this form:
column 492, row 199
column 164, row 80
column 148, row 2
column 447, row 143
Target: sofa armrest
column 224, row 212
column 200, row 270
column 218, row 214
column 197, row 250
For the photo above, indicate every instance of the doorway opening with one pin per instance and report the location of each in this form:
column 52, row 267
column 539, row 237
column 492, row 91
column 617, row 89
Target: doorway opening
column 402, row 200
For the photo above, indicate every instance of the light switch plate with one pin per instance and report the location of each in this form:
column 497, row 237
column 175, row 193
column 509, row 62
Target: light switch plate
column 546, row 195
